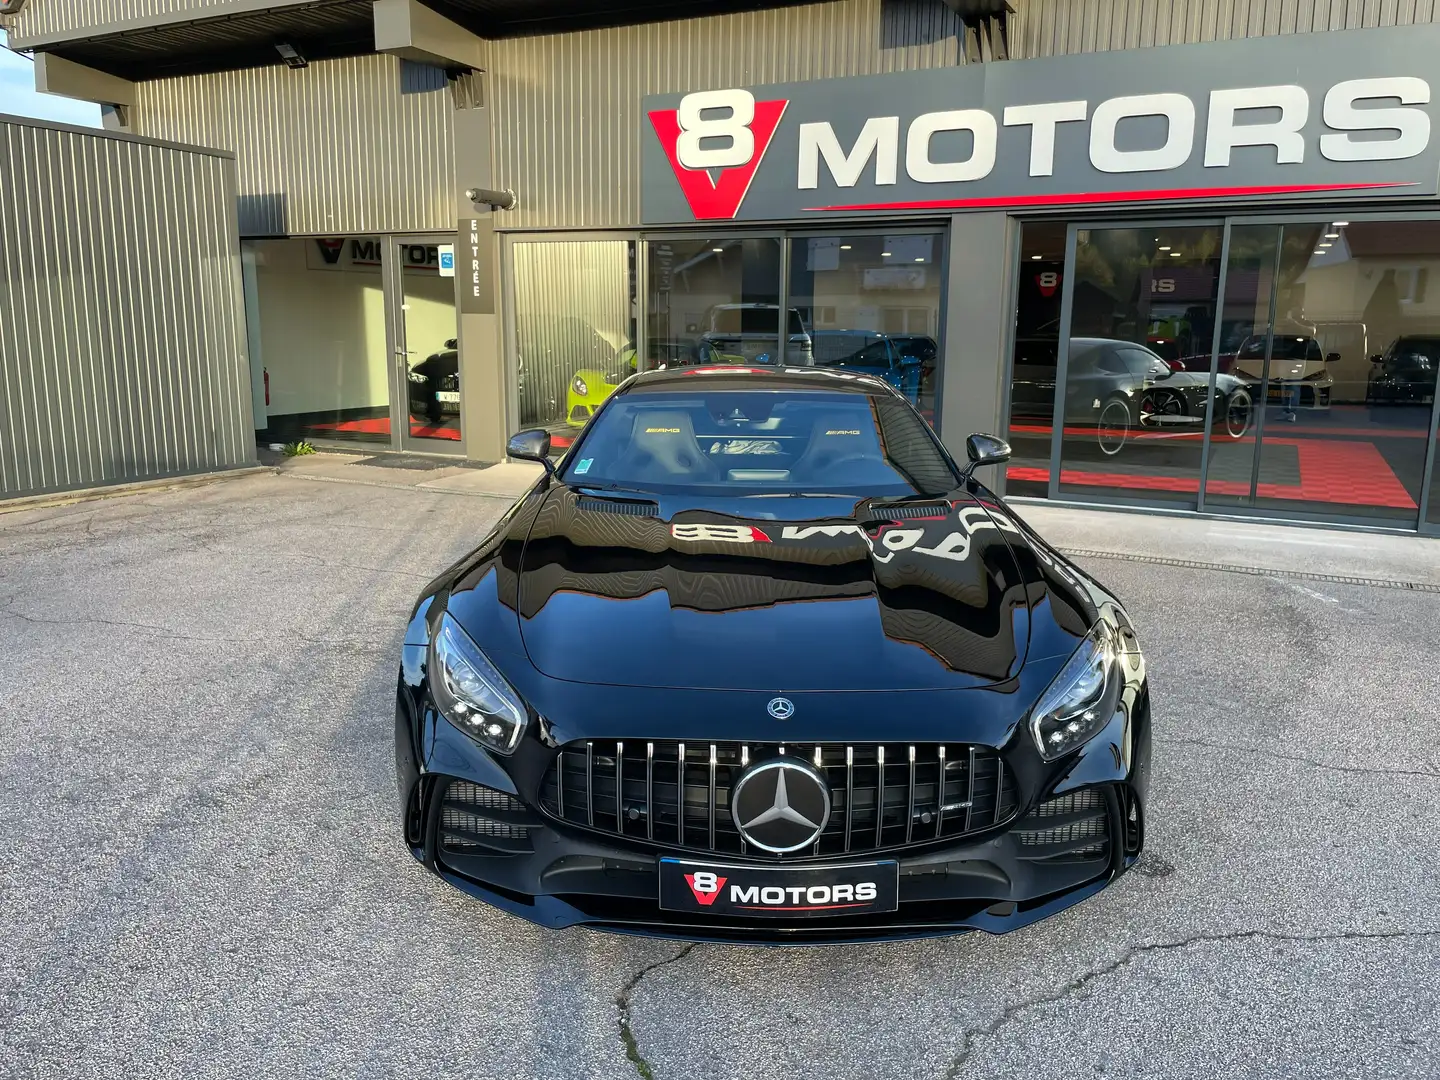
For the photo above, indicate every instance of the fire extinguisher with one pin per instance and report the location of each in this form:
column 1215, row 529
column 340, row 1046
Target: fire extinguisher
column 267, row 386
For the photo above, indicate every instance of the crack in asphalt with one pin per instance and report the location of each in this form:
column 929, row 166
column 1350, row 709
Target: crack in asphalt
column 1262, row 752
column 1134, row 952
column 174, row 635
column 622, row 1001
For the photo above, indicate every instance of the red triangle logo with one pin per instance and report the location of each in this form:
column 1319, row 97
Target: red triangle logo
column 702, row 897
column 717, row 198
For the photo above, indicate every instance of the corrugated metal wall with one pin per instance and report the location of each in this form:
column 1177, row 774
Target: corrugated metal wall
column 122, row 347
column 1057, row 27
column 363, row 145
column 567, row 106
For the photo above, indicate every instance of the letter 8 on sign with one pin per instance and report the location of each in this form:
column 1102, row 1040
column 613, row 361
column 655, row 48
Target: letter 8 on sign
column 695, row 127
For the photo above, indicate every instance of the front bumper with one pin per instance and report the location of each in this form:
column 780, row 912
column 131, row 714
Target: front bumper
column 556, row 874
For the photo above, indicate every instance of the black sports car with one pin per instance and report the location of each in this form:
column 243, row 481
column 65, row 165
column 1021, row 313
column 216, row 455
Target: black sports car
column 758, row 661
column 435, row 385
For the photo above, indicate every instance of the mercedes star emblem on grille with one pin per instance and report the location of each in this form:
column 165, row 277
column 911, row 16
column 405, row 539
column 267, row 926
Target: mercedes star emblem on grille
column 781, row 708
column 780, row 805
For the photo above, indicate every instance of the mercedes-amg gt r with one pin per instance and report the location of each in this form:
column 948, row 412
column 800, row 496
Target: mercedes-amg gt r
column 759, row 661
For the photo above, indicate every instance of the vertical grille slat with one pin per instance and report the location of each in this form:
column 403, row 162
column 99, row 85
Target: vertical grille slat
column 970, row 792
column 680, row 794
column 620, row 788
column 940, row 793
column 910, row 809
column 649, row 791
column 876, row 795
column 849, row 792
column 590, row 784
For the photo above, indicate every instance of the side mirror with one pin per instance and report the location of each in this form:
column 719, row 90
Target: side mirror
column 1377, row 359
column 452, row 343
column 909, row 361
column 532, row 445
column 1332, row 358
column 984, row 450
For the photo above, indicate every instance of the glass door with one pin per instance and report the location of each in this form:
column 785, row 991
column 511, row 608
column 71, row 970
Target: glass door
column 1329, row 329
column 1130, row 404
column 427, row 356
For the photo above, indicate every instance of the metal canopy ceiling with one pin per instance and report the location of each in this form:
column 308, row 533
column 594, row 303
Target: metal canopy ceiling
column 320, row 32
column 332, row 28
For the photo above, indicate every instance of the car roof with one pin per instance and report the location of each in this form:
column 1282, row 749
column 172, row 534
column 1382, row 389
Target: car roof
column 737, row 377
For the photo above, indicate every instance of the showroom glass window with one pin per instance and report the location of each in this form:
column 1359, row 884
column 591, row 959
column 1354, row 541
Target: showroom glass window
column 715, row 302
column 1133, row 402
column 870, row 302
column 1333, row 329
column 322, row 335
column 574, row 329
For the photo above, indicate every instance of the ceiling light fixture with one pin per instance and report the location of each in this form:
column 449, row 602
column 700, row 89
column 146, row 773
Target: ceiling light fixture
column 1174, row 254
column 718, row 251
column 1332, row 236
column 1164, row 247
column 844, row 247
column 884, row 254
column 1319, row 252
column 1339, row 224
column 1036, row 256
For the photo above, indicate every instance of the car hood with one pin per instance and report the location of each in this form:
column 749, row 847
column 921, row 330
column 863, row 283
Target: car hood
column 775, row 594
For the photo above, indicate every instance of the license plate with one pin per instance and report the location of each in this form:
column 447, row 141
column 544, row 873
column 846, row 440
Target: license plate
column 450, row 396
column 1275, row 391
column 779, row 892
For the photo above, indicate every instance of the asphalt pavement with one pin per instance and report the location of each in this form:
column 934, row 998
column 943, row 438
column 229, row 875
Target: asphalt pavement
column 201, row 873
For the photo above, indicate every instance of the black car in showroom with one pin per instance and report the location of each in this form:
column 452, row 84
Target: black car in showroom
column 435, row 385
column 759, row 661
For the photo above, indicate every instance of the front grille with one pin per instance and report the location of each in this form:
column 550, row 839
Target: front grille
column 477, row 820
column 1069, row 828
column 677, row 794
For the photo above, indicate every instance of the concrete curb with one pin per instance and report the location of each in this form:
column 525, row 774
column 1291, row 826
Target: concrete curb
column 115, row 491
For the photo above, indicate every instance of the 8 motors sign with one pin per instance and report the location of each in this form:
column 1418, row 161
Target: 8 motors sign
column 1298, row 116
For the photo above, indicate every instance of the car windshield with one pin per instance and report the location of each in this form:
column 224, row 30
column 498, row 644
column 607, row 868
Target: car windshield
column 760, row 319
column 759, row 442
column 1283, row 347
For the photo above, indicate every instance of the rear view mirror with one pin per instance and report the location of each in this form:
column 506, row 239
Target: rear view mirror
column 984, row 450
column 532, row 445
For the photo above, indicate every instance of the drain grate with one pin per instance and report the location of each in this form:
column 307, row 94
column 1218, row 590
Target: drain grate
column 1254, row 571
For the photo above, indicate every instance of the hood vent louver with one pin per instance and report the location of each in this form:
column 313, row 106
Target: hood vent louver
column 911, row 510
column 627, row 507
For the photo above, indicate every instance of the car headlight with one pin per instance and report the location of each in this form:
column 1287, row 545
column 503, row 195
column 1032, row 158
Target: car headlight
column 1081, row 699
column 472, row 694
column 416, row 376
column 578, row 385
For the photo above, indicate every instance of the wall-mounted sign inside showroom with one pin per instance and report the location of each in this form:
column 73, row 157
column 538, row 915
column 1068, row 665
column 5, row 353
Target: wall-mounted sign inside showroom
column 1305, row 115
column 364, row 253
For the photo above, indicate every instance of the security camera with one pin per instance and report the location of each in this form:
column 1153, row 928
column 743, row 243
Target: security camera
column 496, row 200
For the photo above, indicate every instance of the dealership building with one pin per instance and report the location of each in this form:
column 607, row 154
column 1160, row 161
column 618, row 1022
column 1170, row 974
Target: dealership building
column 1177, row 252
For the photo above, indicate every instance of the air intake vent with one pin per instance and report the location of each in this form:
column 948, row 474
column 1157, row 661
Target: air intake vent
column 1070, row 828
column 619, row 506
